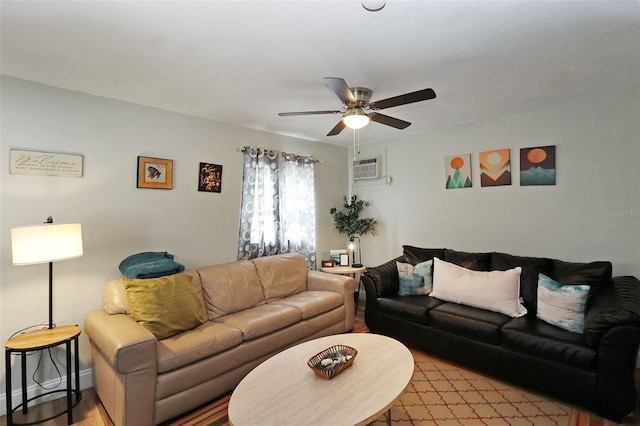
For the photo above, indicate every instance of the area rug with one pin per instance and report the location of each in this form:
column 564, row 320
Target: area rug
column 444, row 394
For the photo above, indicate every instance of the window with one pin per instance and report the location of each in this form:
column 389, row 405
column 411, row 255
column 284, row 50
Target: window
column 278, row 205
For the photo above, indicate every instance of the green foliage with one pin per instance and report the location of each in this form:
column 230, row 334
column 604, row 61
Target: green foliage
column 348, row 221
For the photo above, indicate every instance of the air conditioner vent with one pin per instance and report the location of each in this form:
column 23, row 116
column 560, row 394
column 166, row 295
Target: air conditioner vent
column 367, row 168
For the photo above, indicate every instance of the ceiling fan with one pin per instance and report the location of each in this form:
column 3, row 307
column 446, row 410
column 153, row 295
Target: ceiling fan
column 358, row 111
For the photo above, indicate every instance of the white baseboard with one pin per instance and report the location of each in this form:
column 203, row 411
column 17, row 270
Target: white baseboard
column 34, row 390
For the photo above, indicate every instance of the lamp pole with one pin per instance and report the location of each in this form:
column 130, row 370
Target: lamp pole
column 354, row 264
column 50, row 220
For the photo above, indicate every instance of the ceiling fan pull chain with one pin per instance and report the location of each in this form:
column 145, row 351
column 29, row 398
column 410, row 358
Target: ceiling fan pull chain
column 354, row 144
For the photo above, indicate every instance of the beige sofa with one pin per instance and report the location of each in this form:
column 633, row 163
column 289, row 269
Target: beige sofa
column 254, row 309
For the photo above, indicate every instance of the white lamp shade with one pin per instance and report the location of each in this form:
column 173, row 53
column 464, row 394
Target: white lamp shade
column 46, row 243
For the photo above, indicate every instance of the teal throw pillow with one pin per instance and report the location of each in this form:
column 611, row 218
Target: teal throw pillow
column 415, row 280
column 562, row 305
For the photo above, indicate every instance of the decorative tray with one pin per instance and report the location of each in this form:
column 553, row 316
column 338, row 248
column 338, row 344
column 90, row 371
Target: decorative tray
column 332, row 361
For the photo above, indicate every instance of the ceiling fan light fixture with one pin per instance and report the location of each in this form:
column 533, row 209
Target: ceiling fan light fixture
column 355, row 119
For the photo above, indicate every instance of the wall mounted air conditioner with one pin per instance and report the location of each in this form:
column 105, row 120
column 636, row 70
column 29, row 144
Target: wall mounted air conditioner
column 366, row 168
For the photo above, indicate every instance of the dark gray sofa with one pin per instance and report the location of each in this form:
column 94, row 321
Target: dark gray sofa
column 594, row 370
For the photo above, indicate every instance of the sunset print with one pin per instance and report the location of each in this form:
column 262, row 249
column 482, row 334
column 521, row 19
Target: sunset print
column 538, row 166
column 458, row 171
column 495, row 168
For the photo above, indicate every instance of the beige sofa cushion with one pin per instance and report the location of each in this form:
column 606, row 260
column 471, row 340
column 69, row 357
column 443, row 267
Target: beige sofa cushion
column 230, row 287
column 115, row 298
column 313, row 303
column 191, row 346
column 282, row 275
column 262, row 320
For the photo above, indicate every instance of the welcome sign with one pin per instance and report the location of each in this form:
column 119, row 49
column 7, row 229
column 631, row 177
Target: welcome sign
column 44, row 163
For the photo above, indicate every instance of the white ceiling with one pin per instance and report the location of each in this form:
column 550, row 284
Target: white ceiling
column 242, row 62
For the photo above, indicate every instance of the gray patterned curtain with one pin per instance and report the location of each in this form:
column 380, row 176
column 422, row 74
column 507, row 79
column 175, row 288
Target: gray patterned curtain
column 278, row 205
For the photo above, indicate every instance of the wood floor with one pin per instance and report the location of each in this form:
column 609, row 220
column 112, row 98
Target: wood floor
column 88, row 412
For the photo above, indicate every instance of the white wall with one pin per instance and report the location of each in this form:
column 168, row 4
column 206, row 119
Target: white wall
column 117, row 218
column 592, row 213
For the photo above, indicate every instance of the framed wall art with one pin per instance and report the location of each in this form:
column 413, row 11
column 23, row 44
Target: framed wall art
column 335, row 255
column 495, row 167
column 210, row 178
column 458, row 171
column 156, row 173
column 39, row 163
column 538, row 166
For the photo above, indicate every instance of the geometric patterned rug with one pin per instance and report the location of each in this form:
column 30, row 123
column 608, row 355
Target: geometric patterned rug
column 444, row 394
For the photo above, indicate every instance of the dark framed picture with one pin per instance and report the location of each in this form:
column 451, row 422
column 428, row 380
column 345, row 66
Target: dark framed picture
column 210, row 178
column 156, row 173
column 335, row 255
column 538, row 165
column 344, row 259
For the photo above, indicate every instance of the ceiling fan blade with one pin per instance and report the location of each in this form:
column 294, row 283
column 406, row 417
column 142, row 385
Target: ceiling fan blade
column 337, row 128
column 407, row 98
column 288, row 114
column 341, row 89
column 389, row 121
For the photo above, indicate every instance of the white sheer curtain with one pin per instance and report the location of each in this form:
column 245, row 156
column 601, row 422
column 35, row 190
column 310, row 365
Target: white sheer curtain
column 278, row 205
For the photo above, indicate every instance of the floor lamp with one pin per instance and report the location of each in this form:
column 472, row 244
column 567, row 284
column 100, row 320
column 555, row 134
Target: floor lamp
column 46, row 243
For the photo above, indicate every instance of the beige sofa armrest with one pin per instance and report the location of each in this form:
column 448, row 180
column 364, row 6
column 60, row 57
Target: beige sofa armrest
column 345, row 285
column 124, row 343
column 124, row 367
column 323, row 281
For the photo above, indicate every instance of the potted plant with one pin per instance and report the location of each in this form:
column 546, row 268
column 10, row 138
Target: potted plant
column 348, row 221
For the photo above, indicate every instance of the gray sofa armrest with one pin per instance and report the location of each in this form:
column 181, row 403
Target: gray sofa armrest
column 617, row 304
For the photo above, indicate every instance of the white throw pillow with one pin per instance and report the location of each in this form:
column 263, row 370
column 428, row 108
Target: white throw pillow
column 497, row 291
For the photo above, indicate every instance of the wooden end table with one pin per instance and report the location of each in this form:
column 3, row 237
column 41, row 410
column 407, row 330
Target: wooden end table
column 35, row 341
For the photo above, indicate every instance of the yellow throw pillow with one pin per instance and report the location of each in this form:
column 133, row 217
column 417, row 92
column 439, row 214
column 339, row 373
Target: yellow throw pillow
column 164, row 305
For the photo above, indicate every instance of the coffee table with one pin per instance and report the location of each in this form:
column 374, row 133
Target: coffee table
column 284, row 391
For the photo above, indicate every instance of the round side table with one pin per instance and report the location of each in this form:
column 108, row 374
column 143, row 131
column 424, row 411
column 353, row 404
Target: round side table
column 35, row 341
